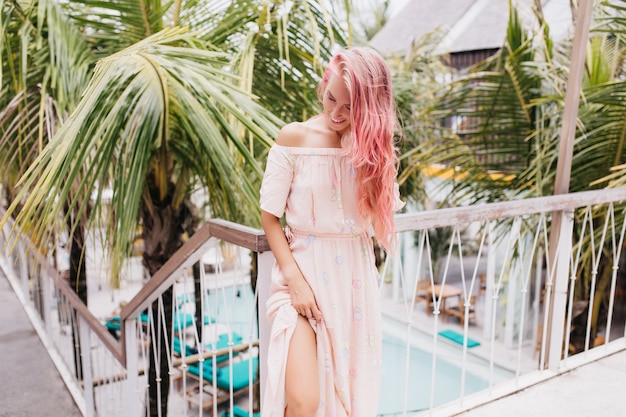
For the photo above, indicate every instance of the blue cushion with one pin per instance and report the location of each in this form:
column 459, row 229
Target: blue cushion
column 182, row 320
column 207, row 370
column 207, row 364
column 458, row 338
column 116, row 322
column 113, row 324
column 241, row 373
column 177, row 348
column 239, row 412
column 222, row 342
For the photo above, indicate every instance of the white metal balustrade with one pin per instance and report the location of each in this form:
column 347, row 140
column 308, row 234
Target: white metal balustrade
column 510, row 298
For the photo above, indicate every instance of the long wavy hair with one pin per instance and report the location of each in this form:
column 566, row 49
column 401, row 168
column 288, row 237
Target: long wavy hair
column 371, row 146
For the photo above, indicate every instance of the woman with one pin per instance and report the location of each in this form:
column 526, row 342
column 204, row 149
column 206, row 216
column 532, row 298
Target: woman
column 333, row 177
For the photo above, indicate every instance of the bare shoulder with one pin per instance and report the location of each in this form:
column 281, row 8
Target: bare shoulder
column 292, row 134
column 312, row 133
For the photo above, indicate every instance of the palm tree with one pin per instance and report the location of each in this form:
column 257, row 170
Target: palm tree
column 35, row 100
column 168, row 109
column 371, row 16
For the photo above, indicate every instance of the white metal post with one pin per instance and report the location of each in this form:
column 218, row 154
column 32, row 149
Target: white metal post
column 265, row 263
column 85, row 353
column 491, row 274
column 396, row 280
column 559, row 296
column 132, row 369
column 566, row 144
column 512, row 307
column 47, row 302
column 537, row 298
column 23, row 260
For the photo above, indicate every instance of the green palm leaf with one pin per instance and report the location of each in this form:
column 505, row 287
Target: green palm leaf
column 154, row 107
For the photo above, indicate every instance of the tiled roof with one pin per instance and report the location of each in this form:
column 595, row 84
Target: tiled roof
column 466, row 25
column 486, row 29
column 416, row 19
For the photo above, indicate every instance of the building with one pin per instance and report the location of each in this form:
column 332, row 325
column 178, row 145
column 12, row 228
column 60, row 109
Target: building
column 470, row 30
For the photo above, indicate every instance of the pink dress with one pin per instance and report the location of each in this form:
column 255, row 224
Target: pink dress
column 315, row 189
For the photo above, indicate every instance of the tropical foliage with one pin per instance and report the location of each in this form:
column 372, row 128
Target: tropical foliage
column 504, row 117
column 507, row 114
column 155, row 101
column 203, row 77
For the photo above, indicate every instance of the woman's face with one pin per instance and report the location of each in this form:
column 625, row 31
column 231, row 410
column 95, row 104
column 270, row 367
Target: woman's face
column 337, row 105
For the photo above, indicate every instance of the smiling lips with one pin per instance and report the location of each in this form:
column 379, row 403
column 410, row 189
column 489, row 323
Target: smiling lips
column 337, row 121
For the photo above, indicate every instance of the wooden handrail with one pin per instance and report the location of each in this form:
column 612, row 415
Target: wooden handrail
column 72, row 298
column 190, row 253
column 240, row 235
column 83, row 312
column 464, row 215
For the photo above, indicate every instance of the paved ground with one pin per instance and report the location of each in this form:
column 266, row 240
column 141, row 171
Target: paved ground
column 31, row 385
column 592, row 390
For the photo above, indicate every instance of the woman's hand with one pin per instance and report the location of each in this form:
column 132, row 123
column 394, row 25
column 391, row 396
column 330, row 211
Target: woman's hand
column 301, row 294
column 302, row 297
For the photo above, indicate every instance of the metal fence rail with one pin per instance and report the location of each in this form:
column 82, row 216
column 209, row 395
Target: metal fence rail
column 476, row 296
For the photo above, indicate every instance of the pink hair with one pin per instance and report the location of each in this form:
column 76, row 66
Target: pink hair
column 371, row 148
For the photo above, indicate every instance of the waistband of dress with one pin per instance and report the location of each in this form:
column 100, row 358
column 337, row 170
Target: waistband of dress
column 290, row 233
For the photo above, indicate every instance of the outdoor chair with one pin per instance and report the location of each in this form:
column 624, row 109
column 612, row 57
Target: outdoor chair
column 239, row 412
column 423, row 293
column 221, row 343
column 181, row 319
column 233, row 374
column 459, row 310
column 483, row 284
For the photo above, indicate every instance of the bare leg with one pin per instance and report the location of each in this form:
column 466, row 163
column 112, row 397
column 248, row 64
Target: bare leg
column 302, row 388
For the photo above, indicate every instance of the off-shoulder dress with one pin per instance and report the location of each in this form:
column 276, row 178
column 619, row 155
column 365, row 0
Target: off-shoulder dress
column 315, row 189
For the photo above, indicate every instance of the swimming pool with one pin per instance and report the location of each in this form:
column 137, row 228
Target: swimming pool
column 448, row 374
column 233, row 307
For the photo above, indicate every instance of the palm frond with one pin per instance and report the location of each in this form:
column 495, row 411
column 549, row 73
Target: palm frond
column 153, row 98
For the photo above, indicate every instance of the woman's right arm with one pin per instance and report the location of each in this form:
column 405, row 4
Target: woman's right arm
column 301, row 294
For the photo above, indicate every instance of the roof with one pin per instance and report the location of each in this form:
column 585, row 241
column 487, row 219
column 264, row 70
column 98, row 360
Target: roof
column 466, row 25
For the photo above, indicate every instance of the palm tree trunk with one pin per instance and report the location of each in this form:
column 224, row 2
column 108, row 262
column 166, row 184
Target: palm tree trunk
column 158, row 229
column 198, row 298
column 77, row 281
column 163, row 228
column 254, row 276
column 159, row 385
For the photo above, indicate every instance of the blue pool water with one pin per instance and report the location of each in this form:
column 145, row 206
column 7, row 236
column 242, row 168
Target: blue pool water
column 234, row 307
column 448, row 376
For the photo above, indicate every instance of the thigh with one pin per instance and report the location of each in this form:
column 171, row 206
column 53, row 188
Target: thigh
column 301, row 375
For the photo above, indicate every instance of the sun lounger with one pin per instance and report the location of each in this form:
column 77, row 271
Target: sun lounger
column 233, row 374
column 236, row 374
column 182, row 320
column 239, row 412
column 222, row 342
column 207, row 363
